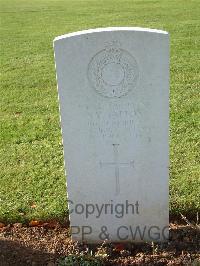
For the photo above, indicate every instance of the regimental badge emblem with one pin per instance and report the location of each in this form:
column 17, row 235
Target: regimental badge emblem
column 113, row 72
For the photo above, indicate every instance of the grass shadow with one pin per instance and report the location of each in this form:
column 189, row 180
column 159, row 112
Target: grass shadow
column 13, row 253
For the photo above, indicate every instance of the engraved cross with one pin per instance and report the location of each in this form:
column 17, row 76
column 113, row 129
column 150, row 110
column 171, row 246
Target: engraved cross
column 117, row 166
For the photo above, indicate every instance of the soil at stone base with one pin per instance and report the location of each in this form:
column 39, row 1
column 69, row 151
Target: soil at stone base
column 44, row 243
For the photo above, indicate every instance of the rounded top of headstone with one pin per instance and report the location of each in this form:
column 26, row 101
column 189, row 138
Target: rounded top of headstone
column 108, row 29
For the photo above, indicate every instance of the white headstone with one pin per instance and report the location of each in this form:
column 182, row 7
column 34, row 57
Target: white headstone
column 113, row 88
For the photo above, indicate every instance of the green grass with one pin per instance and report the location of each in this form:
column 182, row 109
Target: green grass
column 31, row 158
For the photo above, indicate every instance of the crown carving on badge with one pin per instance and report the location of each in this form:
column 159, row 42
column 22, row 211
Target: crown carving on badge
column 113, row 49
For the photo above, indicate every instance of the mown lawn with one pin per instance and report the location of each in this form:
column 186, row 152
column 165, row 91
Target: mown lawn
column 32, row 181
